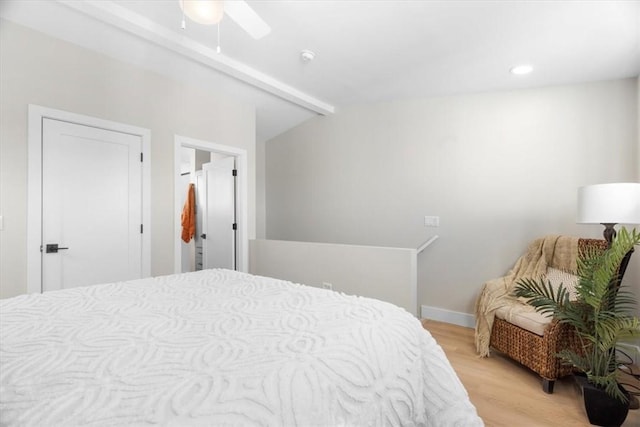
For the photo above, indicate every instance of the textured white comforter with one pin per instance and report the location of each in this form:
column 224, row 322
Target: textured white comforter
column 218, row 347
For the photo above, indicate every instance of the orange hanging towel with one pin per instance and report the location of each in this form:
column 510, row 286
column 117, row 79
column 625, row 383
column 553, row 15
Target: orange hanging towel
column 188, row 218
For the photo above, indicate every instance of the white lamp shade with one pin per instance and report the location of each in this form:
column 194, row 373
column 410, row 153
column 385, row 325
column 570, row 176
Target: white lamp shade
column 617, row 203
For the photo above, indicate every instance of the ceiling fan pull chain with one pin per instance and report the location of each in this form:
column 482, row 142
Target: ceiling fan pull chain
column 218, row 48
column 184, row 23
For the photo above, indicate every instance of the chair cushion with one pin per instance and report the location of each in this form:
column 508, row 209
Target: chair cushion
column 519, row 313
column 555, row 276
column 569, row 281
column 524, row 316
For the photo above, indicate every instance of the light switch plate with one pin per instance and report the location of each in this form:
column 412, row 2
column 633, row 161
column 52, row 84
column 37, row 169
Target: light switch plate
column 432, row 221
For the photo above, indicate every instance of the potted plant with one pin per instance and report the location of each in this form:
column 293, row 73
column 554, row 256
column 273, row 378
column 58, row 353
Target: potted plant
column 600, row 314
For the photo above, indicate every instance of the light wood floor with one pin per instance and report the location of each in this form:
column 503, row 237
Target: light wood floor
column 504, row 392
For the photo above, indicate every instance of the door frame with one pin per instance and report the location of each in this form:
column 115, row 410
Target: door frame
column 36, row 114
column 240, row 154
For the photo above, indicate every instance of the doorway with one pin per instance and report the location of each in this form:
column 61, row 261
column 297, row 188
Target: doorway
column 212, row 177
column 219, row 175
column 88, row 201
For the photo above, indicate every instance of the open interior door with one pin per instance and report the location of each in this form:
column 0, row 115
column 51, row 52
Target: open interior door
column 219, row 214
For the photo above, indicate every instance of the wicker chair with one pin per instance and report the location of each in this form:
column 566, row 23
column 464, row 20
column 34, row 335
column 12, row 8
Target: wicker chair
column 536, row 352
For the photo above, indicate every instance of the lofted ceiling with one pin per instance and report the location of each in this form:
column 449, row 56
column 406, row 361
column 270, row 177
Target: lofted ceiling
column 366, row 51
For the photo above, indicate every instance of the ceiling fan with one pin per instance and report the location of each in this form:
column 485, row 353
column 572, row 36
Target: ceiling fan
column 211, row 12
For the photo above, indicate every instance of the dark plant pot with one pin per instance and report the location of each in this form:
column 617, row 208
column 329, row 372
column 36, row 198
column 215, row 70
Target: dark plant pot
column 602, row 409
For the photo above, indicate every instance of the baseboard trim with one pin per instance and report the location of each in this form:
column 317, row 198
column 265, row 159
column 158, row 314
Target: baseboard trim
column 448, row 316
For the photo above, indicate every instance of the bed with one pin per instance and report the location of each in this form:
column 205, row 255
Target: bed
column 219, row 347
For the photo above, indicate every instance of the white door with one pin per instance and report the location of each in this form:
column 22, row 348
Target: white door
column 219, row 216
column 201, row 200
column 91, row 205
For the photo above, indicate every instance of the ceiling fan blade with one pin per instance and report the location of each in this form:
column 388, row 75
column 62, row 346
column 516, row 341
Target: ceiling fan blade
column 247, row 18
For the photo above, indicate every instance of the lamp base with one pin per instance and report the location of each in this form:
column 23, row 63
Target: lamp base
column 609, row 232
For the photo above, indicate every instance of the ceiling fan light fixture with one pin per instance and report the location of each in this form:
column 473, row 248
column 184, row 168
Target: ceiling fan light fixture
column 206, row 12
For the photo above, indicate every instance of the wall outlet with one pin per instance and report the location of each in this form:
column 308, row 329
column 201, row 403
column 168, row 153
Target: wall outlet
column 327, row 285
column 432, row 221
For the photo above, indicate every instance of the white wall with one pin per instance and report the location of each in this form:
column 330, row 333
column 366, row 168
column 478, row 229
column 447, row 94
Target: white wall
column 500, row 169
column 37, row 69
column 261, row 209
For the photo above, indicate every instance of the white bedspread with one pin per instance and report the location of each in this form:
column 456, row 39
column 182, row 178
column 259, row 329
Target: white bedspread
column 218, row 347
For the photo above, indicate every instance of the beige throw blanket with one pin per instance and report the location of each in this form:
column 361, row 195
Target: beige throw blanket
column 556, row 251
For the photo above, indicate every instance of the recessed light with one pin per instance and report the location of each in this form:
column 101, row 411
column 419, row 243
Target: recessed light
column 307, row 55
column 521, row 69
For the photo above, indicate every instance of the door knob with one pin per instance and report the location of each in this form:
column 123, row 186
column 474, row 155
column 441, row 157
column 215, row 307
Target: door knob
column 203, row 235
column 53, row 248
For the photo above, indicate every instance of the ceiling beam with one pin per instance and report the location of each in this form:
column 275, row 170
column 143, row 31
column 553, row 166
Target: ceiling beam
column 141, row 26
